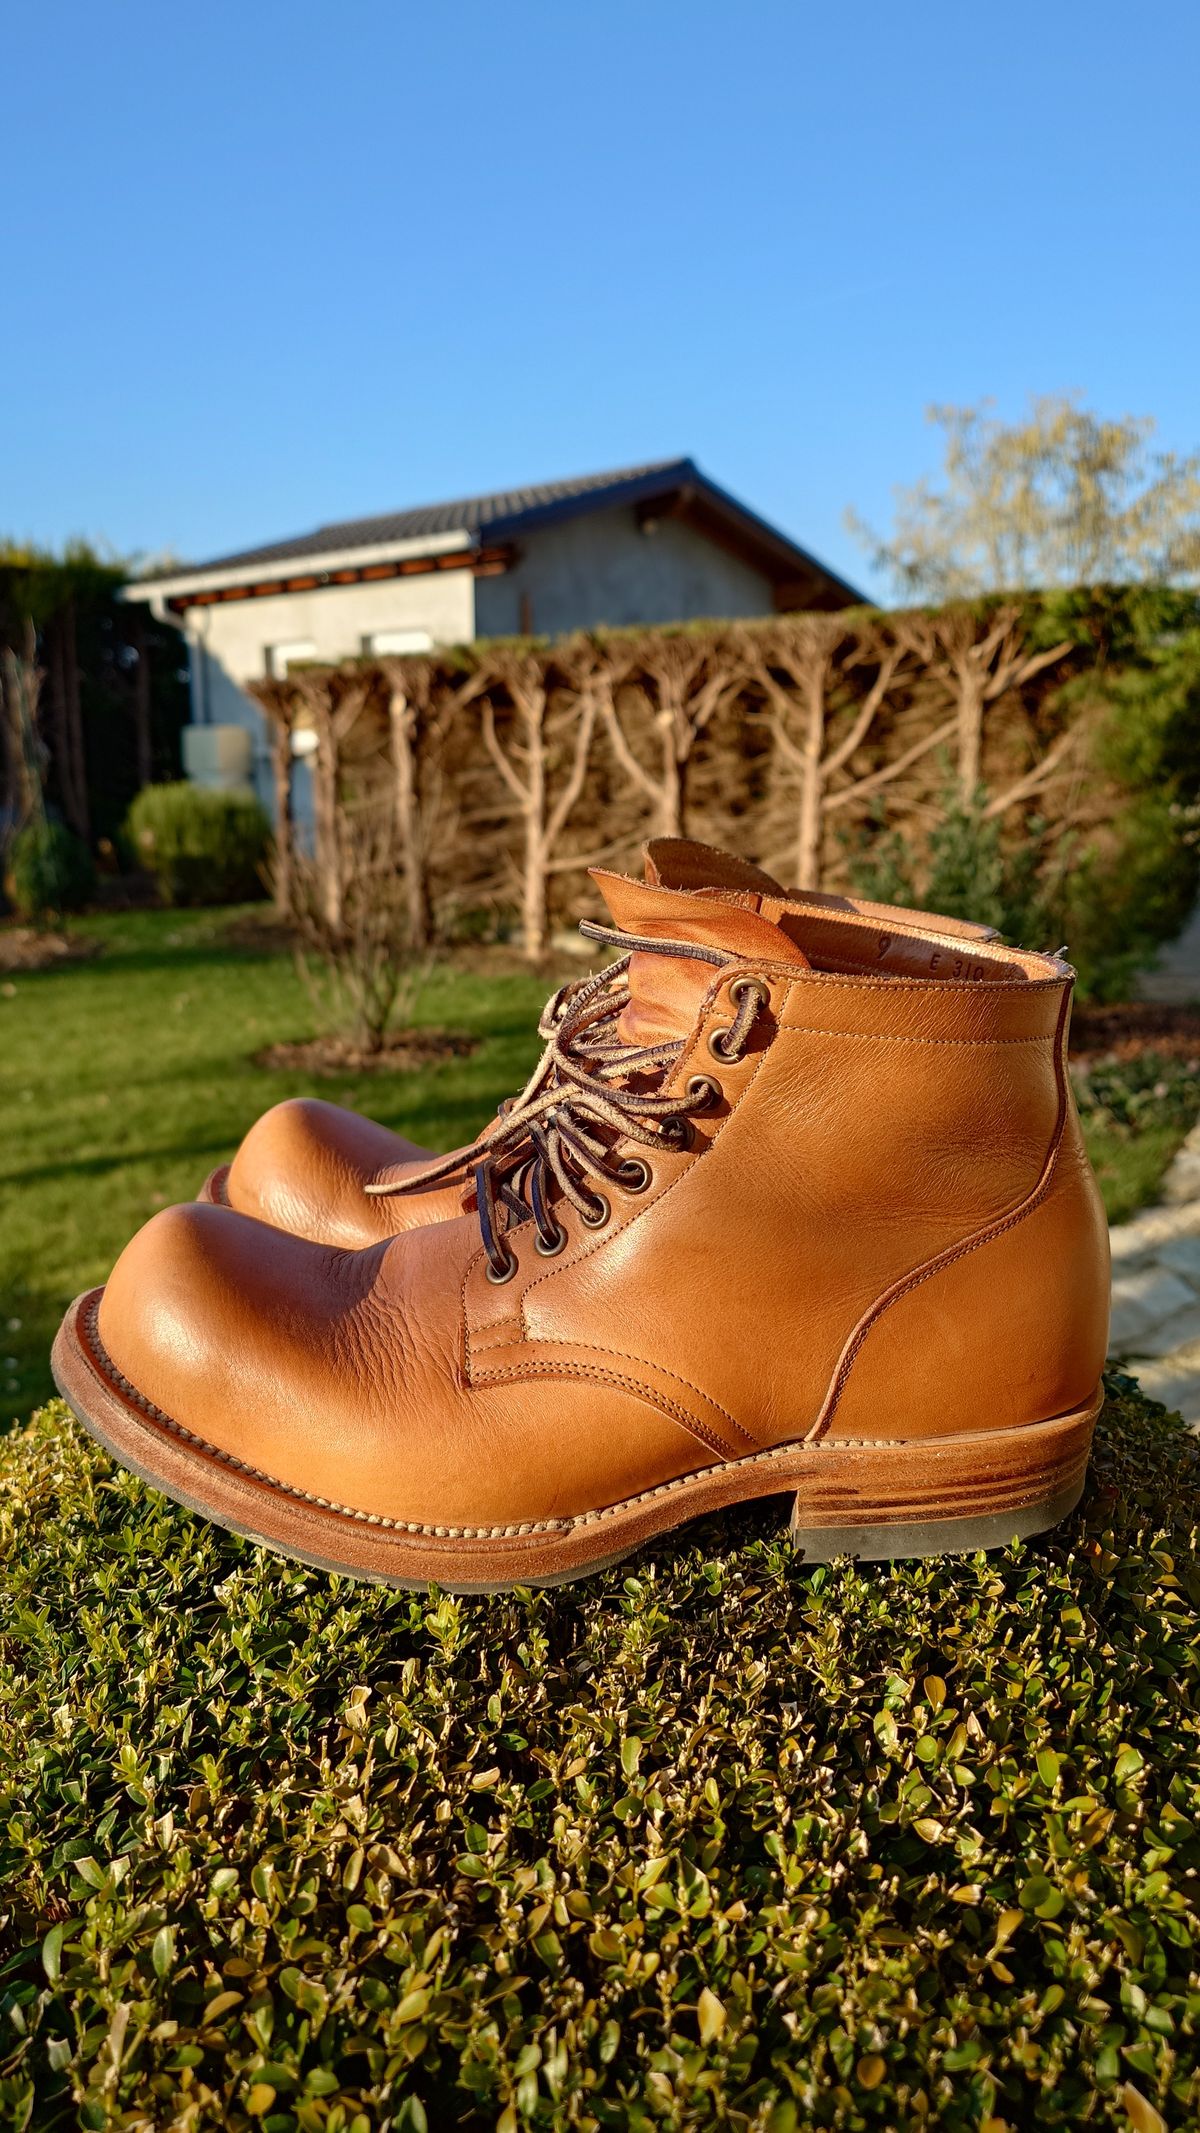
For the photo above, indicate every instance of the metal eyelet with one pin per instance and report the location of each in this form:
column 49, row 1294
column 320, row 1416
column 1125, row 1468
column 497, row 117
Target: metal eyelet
column 550, row 1250
column 739, row 987
column 599, row 1212
column 711, row 1091
column 757, row 986
column 500, row 1274
column 676, row 1132
column 634, row 1174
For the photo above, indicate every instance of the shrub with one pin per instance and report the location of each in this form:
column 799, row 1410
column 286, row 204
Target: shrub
column 202, row 847
column 710, row 1839
column 357, row 961
column 49, row 871
column 970, row 871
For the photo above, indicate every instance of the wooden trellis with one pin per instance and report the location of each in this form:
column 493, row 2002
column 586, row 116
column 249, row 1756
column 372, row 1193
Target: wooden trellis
column 507, row 766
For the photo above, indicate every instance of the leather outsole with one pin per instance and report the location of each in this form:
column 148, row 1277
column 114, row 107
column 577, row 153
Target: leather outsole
column 874, row 1500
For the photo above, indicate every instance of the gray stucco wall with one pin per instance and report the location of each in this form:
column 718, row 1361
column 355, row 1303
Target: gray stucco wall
column 603, row 569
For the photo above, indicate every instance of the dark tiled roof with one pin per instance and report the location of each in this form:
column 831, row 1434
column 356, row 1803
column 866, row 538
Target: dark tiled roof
column 511, row 512
column 496, row 515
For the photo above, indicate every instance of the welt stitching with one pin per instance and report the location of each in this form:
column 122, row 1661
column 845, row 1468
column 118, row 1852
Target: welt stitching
column 780, row 1453
column 108, row 1370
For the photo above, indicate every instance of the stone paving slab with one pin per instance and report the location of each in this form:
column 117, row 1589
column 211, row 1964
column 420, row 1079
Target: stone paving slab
column 1141, row 1239
column 1155, row 1330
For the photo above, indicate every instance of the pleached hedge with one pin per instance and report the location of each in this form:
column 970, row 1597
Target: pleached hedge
column 1065, row 727
column 709, row 1840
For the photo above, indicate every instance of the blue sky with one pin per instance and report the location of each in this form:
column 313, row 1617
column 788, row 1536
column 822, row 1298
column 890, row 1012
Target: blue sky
column 278, row 263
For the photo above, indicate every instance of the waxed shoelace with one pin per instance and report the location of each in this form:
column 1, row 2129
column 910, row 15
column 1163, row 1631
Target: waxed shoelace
column 580, row 1098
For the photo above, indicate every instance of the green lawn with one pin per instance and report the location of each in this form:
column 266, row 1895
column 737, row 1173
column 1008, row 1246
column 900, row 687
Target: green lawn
column 1130, row 1168
column 125, row 1080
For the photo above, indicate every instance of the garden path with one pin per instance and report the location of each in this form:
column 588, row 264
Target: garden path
column 1155, row 1331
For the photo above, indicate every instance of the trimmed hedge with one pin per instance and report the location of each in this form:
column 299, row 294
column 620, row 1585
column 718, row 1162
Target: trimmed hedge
column 202, row 847
column 711, row 1840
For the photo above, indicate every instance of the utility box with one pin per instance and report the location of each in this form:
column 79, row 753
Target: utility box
column 218, row 757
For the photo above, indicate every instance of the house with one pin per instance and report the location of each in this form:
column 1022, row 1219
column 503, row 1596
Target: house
column 648, row 544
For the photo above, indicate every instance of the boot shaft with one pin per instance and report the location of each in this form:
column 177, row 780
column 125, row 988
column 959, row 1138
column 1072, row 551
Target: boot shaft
column 888, row 1195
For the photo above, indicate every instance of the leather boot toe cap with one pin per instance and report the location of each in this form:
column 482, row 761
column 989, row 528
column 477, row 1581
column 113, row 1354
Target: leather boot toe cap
column 303, row 1168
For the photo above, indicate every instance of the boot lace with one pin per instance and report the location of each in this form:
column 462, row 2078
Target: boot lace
column 590, row 1088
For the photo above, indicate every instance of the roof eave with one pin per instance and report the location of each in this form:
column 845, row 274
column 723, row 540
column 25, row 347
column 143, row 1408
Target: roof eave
column 179, row 585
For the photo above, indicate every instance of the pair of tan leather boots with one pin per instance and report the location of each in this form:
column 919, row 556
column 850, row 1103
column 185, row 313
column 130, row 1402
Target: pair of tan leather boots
column 796, row 1200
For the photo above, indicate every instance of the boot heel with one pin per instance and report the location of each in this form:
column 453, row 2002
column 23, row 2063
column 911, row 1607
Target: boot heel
column 948, row 1496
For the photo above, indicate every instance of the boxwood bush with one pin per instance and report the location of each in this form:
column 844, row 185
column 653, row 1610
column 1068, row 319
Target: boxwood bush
column 710, row 1840
column 202, row 847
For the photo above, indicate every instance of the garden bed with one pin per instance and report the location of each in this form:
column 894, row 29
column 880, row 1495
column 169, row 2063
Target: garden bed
column 709, row 1840
column 30, row 948
column 1132, row 1028
column 402, row 1052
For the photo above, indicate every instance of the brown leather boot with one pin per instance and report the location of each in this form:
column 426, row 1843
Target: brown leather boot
column 793, row 1204
column 305, row 1164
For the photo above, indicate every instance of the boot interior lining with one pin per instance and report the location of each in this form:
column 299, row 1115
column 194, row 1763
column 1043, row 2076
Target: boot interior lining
column 848, row 946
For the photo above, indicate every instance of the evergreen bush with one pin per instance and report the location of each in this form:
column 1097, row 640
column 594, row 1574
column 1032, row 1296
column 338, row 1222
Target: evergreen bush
column 50, row 871
column 202, row 847
column 711, row 1839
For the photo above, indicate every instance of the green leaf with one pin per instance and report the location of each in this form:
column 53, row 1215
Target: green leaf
column 1035, row 1891
column 162, row 1952
column 711, row 2016
column 52, row 1952
column 886, row 1731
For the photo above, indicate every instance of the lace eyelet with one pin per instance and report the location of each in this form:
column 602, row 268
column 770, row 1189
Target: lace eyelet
column 739, row 988
column 634, row 1174
column 553, row 1248
column 676, row 1132
column 500, row 1274
column 711, row 1091
column 758, row 986
column 599, row 1212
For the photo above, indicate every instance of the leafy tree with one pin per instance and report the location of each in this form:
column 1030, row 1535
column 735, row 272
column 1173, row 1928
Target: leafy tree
column 1061, row 497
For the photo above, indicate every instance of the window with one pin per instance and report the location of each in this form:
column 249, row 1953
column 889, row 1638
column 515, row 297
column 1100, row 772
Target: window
column 279, row 657
column 397, row 641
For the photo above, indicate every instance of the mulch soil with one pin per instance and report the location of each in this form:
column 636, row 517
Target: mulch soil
column 1131, row 1028
column 401, row 1053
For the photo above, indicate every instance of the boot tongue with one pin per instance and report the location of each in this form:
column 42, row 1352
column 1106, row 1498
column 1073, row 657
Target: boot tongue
column 665, row 991
column 681, row 863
